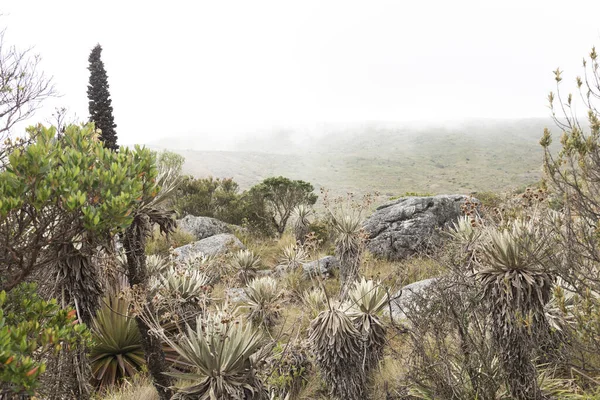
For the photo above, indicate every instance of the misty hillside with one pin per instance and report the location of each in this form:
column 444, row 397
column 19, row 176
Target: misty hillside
column 478, row 155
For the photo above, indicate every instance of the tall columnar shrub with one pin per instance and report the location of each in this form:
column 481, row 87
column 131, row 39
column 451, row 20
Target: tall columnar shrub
column 100, row 104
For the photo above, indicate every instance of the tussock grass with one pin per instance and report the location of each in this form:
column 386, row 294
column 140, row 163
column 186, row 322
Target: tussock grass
column 140, row 387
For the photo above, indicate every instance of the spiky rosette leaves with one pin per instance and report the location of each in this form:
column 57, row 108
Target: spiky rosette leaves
column 301, row 227
column 117, row 350
column 513, row 274
column 365, row 305
column 315, row 300
column 465, row 230
column 349, row 246
column 183, row 285
column 517, row 287
column 155, row 263
column 225, row 353
column 262, row 301
column 337, row 346
column 246, row 264
column 292, row 257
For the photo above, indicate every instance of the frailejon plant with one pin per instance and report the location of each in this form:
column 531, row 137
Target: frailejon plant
column 349, row 247
column 31, row 329
column 315, row 300
column 262, row 302
column 181, row 284
column 301, row 226
column 365, row 305
column 337, row 346
column 224, row 352
column 292, row 257
column 116, row 352
column 245, row 263
column 517, row 287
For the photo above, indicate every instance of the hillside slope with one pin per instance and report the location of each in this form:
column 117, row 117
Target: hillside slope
column 472, row 156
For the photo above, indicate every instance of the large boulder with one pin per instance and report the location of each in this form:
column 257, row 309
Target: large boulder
column 408, row 295
column 403, row 227
column 203, row 227
column 211, row 246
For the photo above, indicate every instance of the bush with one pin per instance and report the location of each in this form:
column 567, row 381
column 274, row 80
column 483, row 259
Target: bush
column 210, row 197
column 32, row 329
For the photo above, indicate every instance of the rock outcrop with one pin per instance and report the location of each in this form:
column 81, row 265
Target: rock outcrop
column 408, row 294
column 203, row 227
column 324, row 265
column 405, row 226
column 211, row 246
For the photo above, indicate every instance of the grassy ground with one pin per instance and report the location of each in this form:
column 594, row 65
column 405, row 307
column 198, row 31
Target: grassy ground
column 295, row 317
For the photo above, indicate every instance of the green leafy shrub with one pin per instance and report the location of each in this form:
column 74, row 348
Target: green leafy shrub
column 274, row 200
column 60, row 199
column 30, row 330
column 210, row 197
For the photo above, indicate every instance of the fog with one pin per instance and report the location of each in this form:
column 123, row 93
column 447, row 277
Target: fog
column 222, row 73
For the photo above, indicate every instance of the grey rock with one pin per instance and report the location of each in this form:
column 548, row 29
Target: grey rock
column 409, row 293
column 324, row 265
column 211, row 246
column 403, row 227
column 203, row 227
column 236, row 295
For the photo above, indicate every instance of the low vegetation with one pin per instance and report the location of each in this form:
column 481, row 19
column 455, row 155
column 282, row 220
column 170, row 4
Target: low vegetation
column 94, row 302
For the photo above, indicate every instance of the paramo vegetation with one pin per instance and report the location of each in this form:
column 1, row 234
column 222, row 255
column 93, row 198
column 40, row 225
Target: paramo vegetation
column 98, row 300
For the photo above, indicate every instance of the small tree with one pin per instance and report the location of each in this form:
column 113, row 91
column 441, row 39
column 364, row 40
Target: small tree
column 100, row 104
column 280, row 196
column 23, row 87
column 59, row 200
column 572, row 177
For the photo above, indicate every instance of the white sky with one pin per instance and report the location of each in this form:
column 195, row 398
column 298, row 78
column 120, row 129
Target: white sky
column 220, row 68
